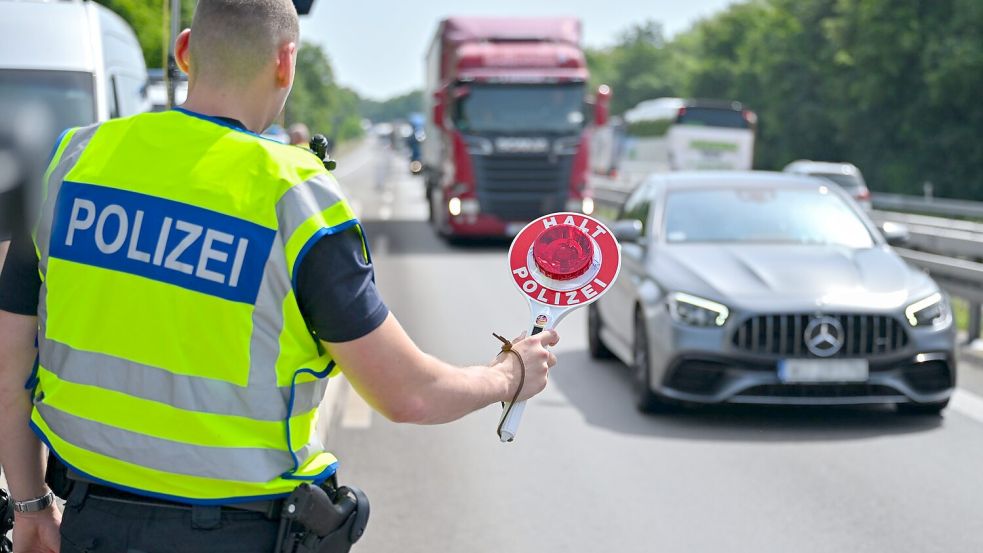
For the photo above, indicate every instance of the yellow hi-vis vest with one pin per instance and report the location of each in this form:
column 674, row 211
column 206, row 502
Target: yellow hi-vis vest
column 173, row 357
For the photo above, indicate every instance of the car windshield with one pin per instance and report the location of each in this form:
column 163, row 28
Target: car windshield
column 848, row 182
column 521, row 108
column 59, row 99
column 713, row 117
column 763, row 215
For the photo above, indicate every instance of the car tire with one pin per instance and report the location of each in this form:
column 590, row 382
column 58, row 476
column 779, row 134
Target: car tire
column 646, row 400
column 595, row 346
column 932, row 409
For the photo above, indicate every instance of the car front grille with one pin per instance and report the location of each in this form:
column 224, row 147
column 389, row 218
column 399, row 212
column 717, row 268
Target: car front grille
column 521, row 187
column 784, row 335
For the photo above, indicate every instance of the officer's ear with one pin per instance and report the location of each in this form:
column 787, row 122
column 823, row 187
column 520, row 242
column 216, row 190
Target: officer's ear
column 286, row 59
column 181, row 50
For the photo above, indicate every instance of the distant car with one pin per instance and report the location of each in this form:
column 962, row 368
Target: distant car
column 846, row 175
column 769, row 288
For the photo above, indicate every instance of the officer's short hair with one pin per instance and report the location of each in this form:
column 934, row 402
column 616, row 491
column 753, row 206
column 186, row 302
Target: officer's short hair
column 232, row 40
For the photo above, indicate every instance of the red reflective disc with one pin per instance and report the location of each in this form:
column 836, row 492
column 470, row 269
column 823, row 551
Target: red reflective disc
column 563, row 252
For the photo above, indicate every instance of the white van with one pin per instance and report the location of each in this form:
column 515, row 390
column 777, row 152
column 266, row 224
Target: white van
column 63, row 63
column 74, row 59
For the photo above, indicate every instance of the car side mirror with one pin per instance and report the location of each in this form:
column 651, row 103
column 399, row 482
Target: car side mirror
column 602, row 105
column 896, row 234
column 627, row 230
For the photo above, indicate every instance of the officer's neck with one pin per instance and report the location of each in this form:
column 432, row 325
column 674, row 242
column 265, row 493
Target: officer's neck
column 222, row 105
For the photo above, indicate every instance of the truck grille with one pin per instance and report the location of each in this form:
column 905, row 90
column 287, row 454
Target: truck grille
column 521, row 187
column 784, row 335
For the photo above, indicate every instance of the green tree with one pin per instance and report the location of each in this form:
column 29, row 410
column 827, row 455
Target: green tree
column 316, row 99
column 397, row 107
column 890, row 85
column 148, row 20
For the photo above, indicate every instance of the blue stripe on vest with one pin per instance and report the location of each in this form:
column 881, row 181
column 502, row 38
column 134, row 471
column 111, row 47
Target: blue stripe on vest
column 163, row 240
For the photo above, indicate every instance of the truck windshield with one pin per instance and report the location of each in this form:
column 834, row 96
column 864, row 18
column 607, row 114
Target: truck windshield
column 57, row 100
column 518, row 108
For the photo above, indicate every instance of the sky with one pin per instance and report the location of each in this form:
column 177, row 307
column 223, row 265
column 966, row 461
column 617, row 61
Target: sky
column 377, row 46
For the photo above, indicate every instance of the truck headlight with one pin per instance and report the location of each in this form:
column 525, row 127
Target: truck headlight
column 929, row 311
column 696, row 311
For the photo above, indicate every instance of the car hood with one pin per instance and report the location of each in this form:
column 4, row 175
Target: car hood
column 794, row 276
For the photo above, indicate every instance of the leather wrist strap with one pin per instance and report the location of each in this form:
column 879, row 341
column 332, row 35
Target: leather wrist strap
column 507, row 348
column 34, row 505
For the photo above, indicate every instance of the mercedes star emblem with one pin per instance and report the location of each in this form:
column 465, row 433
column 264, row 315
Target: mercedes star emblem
column 824, row 336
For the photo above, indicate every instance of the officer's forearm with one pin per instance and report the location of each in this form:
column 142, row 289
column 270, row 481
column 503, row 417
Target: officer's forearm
column 21, row 453
column 406, row 385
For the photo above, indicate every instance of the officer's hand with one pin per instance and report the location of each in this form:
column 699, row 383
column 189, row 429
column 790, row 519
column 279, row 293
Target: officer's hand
column 38, row 532
column 537, row 359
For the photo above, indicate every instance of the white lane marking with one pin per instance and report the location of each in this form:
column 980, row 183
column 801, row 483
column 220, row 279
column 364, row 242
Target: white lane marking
column 967, row 403
column 357, row 413
column 329, row 406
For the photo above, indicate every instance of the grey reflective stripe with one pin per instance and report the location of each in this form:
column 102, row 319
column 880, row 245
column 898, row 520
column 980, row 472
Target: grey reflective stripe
column 221, row 463
column 267, row 321
column 202, row 395
column 305, row 200
column 69, row 158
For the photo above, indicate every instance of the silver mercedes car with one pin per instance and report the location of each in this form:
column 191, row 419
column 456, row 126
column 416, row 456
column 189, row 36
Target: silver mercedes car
column 770, row 288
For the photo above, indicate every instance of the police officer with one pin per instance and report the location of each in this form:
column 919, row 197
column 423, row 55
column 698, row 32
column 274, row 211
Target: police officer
column 190, row 287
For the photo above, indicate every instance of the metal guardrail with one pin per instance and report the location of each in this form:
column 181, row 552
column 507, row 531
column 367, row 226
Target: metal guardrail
column 950, row 250
column 920, row 204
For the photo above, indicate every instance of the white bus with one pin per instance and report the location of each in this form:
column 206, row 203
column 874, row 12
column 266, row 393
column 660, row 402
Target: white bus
column 673, row 134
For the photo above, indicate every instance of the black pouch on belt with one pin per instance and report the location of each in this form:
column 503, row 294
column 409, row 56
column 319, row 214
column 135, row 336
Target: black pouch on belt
column 322, row 520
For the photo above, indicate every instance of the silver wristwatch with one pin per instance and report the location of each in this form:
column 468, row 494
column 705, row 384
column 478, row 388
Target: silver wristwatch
column 34, row 505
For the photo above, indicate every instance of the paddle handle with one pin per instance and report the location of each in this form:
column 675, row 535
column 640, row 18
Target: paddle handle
column 509, row 424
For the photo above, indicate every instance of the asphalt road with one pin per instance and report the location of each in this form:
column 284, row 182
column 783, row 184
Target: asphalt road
column 588, row 473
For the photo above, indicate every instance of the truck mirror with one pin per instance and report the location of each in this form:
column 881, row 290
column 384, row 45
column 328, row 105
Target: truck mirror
column 601, row 105
column 303, row 6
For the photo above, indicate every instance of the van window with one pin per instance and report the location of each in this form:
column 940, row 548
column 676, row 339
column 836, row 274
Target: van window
column 66, row 97
column 713, row 117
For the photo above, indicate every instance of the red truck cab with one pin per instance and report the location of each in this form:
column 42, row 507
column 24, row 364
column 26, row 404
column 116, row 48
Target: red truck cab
column 509, row 120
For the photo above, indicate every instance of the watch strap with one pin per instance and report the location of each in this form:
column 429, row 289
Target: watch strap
column 34, row 505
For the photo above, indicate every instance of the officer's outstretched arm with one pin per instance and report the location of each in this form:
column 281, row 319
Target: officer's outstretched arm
column 407, row 385
column 21, row 454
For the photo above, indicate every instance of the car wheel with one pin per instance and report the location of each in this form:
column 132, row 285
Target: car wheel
column 646, row 400
column 922, row 408
column 595, row 346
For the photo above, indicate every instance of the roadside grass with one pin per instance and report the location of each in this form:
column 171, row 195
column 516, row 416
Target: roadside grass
column 960, row 309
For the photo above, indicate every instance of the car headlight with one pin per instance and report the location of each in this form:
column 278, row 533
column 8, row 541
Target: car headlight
column 696, row 311
column 929, row 311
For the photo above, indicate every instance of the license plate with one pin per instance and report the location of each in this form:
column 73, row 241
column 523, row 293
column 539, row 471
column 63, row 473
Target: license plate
column 511, row 229
column 823, row 370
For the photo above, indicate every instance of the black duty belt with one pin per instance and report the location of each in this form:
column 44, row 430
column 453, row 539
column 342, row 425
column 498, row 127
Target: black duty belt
column 270, row 508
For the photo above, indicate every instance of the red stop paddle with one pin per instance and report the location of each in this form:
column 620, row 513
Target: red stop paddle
column 559, row 262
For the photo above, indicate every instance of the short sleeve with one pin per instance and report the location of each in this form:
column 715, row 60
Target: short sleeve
column 336, row 288
column 20, row 283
